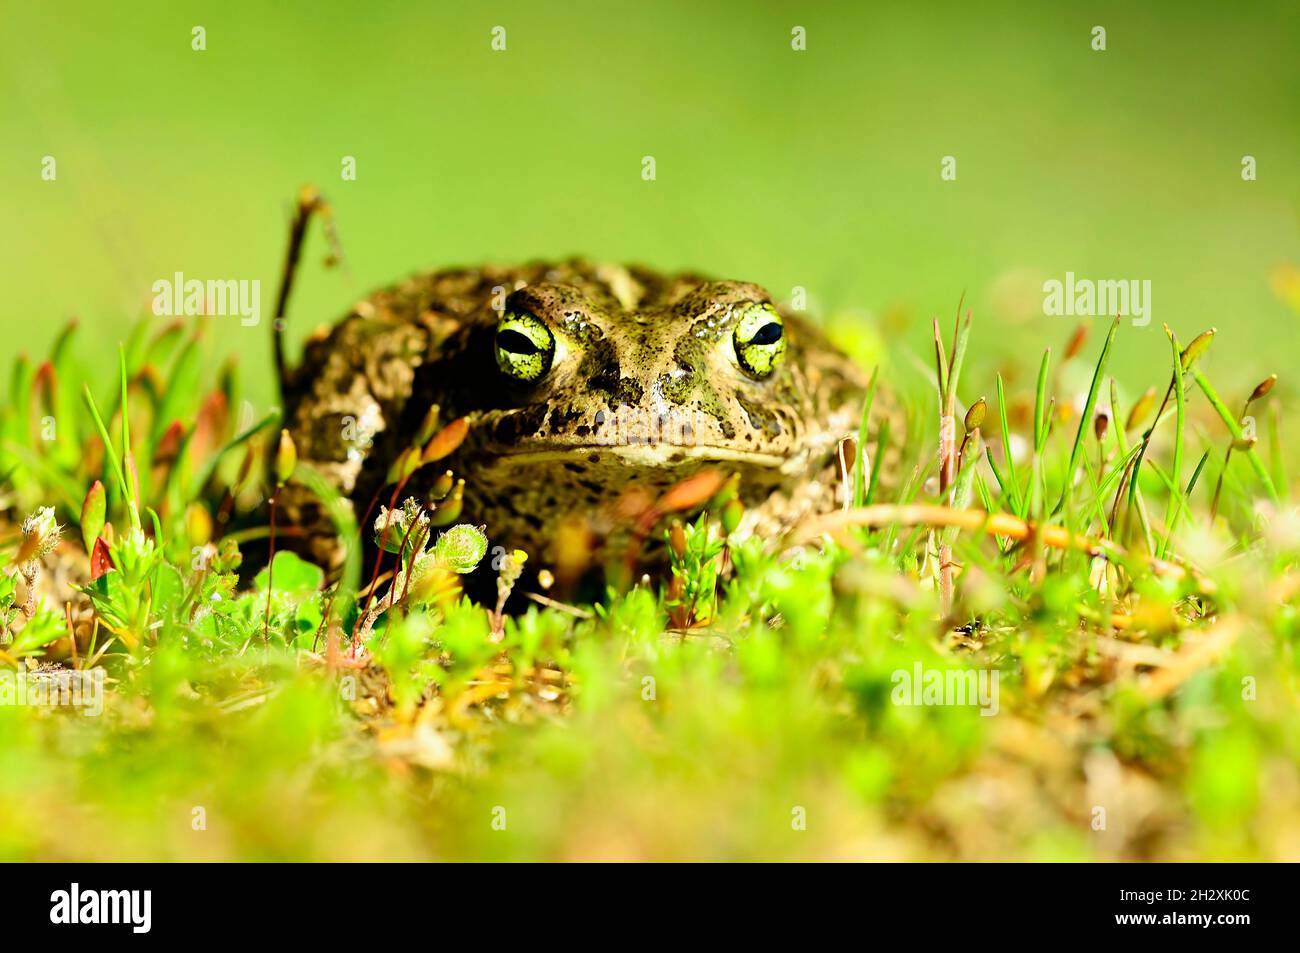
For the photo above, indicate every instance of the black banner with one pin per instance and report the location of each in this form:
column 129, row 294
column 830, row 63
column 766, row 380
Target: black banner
column 139, row 902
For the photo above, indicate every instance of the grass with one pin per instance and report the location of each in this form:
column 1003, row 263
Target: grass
column 756, row 703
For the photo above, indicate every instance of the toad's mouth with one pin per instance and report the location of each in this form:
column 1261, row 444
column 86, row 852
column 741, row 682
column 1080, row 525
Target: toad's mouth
column 642, row 455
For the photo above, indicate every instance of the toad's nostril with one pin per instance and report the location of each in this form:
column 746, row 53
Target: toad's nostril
column 678, row 382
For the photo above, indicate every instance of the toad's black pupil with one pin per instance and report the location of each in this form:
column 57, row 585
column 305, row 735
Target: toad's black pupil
column 516, row 343
column 769, row 333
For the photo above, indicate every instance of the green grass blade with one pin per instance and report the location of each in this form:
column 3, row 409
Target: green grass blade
column 1013, row 485
column 860, row 454
column 1176, row 468
column 109, row 450
column 1234, row 428
column 1089, row 407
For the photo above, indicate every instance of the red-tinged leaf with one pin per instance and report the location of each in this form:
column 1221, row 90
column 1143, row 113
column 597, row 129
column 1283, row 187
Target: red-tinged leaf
column 92, row 455
column 1076, row 342
column 692, row 492
column 45, row 383
column 92, row 515
column 632, row 504
column 100, row 561
column 169, row 444
column 446, row 440
column 210, row 425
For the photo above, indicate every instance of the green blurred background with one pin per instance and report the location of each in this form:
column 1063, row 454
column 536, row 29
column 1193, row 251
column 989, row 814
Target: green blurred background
column 817, row 169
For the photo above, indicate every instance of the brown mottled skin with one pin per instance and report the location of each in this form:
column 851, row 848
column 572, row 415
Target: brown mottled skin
column 633, row 348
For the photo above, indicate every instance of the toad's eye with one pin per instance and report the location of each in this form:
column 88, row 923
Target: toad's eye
column 525, row 346
column 759, row 339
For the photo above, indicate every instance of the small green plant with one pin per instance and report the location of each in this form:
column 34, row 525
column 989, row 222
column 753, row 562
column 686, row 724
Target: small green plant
column 426, row 575
column 694, row 549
